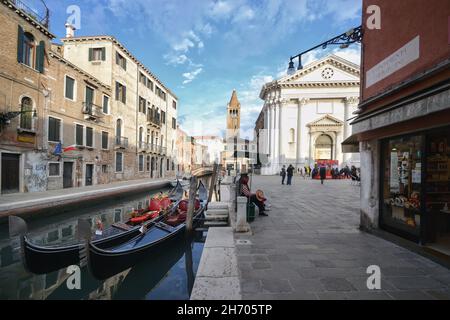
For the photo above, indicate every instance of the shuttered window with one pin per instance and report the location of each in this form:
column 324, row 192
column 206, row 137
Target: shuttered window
column 141, row 163
column 105, row 139
column 79, row 135
column 121, row 61
column 121, row 92
column 70, row 88
column 89, row 137
column 97, row 54
column 54, row 130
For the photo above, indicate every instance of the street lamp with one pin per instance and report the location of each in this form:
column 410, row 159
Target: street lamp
column 344, row 40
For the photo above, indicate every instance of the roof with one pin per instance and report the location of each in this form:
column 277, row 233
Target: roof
column 124, row 49
column 28, row 17
column 289, row 81
column 79, row 70
column 234, row 102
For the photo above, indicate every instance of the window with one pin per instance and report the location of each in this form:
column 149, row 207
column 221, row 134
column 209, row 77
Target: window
column 119, row 162
column 142, row 105
column 105, row 140
column 141, row 163
column 97, row 54
column 174, row 104
column 89, row 98
column 104, row 168
column 168, row 165
column 53, row 169
column 89, row 137
column 117, row 215
column 105, row 104
column 121, row 92
column 121, row 61
column 119, row 128
column 79, row 141
column 143, row 79
column 28, row 52
column 70, row 88
column 148, row 163
column 163, row 117
column 150, row 84
column 26, row 118
column 54, row 129
column 174, row 123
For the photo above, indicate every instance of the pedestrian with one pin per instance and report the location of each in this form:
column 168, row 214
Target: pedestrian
column 323, row 173
column 290, row 174
column 258, row 199
column 283, row 174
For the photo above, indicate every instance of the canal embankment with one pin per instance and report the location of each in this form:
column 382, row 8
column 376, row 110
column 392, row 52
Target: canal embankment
column 28, row 205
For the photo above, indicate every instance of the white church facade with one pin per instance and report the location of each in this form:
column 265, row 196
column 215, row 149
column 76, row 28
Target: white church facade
column 306, row 116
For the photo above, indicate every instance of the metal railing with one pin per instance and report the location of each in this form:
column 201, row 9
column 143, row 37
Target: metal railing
column 155, row 120
column 121, row 142
column 43, row 18
column 92, row 110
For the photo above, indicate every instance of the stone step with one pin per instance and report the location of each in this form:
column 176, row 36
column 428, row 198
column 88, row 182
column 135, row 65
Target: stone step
column 218, row 205
column 217, row 212
column 215, row 224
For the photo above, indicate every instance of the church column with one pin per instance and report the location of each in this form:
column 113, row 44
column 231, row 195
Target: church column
column 301, row 104
column 281, row 138
column 310, row 148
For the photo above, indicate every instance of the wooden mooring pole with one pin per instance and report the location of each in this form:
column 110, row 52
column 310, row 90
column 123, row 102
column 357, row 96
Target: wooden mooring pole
column 213, row 182
column 191, row 207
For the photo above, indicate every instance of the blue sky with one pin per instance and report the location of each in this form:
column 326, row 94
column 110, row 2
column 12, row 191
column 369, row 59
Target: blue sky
column 203, row 49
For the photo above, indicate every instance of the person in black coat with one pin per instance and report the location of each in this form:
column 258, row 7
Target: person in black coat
column 323, row 173
column 290, row 174
column 283, row 174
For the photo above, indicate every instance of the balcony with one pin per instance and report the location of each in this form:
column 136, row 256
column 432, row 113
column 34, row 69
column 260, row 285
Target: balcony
column 40, row 14
column 154, row 120
column 92, row 111
column 121, row 142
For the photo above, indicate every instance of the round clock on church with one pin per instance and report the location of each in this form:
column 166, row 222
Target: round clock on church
column 327, row 73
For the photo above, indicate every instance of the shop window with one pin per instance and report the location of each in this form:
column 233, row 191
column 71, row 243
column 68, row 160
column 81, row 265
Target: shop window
column 401, row 201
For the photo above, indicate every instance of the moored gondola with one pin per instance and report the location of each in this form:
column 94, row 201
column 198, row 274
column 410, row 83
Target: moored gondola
column 45, row 259
column 104, row 263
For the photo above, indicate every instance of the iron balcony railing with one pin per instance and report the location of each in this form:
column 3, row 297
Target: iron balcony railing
column 154, row 119
column 122, row 142
column 92, row 110
column 41, row 16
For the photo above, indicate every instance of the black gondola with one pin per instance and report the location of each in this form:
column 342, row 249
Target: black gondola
column 104, row 263
column 45, row 259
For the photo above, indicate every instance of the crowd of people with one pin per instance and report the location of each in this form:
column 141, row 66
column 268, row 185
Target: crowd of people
column 321, row 171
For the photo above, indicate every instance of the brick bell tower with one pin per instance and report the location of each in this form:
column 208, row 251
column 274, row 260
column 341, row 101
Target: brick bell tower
column 234, row 116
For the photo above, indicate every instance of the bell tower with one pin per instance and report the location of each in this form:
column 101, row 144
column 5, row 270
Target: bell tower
column 234, row 116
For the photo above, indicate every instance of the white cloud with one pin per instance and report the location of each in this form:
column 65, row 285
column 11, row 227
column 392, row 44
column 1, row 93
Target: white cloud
column 191, row 76
column 175, row 59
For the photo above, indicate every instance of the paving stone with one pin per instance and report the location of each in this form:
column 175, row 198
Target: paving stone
column 261, row 265
column 323, row 264
column 439, row 294
column 369, row 295
column 275, row 286
column 337, row 284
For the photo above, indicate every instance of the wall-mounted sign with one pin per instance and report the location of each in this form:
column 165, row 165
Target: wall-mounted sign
column 396, row 61
column 26, row 138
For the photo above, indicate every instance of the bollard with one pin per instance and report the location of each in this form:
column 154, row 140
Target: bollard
column 241, row 224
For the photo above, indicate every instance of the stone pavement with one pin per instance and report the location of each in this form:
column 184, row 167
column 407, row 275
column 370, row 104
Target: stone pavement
column 310, row 247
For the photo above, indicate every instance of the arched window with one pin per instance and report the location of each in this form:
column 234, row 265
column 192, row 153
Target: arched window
column 292, row 135
column 26, row 118
column 29, row 49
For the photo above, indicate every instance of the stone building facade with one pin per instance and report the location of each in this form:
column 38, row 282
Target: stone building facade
column 82, row 113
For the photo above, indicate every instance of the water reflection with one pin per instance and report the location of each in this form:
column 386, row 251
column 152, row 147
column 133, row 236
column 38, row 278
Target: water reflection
column 168, row 276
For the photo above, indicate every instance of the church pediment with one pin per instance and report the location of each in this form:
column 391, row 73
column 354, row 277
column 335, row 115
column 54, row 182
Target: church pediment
column 326, row 121
column 329, row 69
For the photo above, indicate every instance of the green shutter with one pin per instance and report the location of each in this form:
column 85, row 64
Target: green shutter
column 91, row 54
column 40, row 55
column 125, row 64
column 124, row 100
column 103, row 54
column 20, row 46
column 117, row 91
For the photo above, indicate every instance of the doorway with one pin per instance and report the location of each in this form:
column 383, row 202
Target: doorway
column 67, row 175
column 324, row 148
column 89, row 174
column 10, row 173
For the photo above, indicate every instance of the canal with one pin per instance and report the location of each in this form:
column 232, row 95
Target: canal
column 169, row 276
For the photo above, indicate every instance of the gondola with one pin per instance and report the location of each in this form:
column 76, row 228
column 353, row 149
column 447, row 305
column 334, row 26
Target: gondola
column 104, row 263
column 45, row 259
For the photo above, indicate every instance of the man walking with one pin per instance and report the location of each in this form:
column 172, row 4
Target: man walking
column 283, row 175
column 290, row 174
column 323, row 173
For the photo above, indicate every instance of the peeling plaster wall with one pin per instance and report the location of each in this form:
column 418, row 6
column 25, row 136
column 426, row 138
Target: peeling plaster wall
column 370, row 190
column 35, row 172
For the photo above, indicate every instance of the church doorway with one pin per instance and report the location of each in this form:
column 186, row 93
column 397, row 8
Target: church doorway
column 324, row 147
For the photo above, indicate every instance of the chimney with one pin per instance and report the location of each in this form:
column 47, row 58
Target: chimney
column 70, row 30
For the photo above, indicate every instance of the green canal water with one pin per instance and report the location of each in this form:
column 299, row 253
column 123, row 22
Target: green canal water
column 168, row 276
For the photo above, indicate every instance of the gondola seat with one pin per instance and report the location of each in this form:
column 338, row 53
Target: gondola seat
column 148, row 216
column 155, row 205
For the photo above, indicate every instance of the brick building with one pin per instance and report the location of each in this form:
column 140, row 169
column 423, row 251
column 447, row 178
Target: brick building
column 403, row 122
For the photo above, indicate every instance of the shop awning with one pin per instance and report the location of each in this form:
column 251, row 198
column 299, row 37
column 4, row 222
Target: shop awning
column 351, row 145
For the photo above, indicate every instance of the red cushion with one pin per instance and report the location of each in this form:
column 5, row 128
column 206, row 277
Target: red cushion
column 165, row 203
column 155, row 205
column 184, row 205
